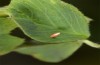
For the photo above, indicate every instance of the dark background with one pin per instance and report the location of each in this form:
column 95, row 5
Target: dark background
column 84, row 56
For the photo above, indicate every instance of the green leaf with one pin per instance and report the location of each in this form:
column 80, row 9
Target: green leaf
column 6, row 22
column 3, row 13
column 51, row 52
column 39, row 19
column 6, row 25
column 8, row 43
column 89, row 19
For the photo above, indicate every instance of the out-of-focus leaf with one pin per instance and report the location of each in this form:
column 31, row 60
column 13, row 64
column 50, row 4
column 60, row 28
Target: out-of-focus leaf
column 8, row 43
column 41, row 18
column 6, row 22
column 89, row 19
column 3, row 12
column 6, row 25
column 51, row 52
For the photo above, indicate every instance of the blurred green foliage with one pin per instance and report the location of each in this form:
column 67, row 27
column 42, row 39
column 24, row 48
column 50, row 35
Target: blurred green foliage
column 84, row 56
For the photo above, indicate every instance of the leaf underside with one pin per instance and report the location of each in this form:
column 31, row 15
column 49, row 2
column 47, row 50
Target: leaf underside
column 51, row 52
column 8, row 43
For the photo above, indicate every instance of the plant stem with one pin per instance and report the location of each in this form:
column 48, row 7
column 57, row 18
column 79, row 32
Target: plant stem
column 92, row 44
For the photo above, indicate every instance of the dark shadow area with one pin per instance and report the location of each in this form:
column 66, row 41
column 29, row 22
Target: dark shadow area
column 84, row 56
column 18, row 33
column 4, row 2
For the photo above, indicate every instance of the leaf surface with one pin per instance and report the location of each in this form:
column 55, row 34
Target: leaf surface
column 39, row 19
column 6, row 25
column 8, row 43
column 51, row 52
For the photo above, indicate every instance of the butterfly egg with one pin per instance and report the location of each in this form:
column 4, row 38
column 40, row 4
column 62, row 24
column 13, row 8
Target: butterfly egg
column 55, row 35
